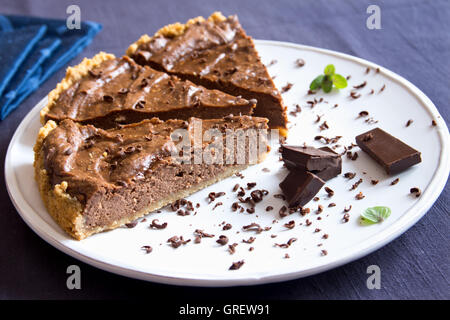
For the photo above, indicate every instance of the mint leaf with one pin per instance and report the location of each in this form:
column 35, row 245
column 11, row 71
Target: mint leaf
column 329, row 70
column 375, row 215
column 327, row 84
column 317, row 82
column 329, row 79
column 339, row 81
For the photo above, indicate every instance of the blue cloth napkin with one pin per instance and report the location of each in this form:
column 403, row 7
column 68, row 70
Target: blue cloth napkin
column 43, row 47
column 15, row 45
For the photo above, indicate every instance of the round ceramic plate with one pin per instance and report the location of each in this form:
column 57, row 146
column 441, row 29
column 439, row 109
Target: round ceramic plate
column 207, row 264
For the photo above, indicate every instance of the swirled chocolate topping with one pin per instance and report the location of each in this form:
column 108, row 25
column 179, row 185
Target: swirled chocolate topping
column 118, row 91
column 90, row 159
column 216, row 54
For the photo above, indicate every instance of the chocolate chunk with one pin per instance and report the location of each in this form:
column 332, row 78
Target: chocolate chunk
column 393, row 154
column 323, row 162
column 300, row 187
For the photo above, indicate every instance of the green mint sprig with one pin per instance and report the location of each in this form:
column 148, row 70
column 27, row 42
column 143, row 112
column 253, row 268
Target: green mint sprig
column 375, row 215
column 328, row 79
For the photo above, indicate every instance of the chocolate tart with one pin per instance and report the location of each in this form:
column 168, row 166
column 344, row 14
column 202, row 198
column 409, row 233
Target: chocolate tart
column 217, row 54
column 106, row 91
column 92, row 179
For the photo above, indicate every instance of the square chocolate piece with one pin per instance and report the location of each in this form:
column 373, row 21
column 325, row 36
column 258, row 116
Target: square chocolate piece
column 300, row 187
column 393, row 154
column 323, row 162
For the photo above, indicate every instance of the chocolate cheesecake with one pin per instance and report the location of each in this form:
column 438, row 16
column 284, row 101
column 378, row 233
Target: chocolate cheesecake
column 106, row 91
column 92, row 179
column 217, row 54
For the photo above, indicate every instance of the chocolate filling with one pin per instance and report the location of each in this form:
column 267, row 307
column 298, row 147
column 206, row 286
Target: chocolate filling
column 217, row 55
column 117, row 173
column 119, row 91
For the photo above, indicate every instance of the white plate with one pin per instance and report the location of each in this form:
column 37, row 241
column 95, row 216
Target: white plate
column 207, row 264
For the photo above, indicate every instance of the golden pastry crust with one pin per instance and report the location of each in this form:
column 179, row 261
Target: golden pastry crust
column 174, row 30
column 64, row 209
column 73, row 74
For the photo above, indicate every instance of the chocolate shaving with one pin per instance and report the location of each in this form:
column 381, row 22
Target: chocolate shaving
column 232, row 248
column 355, row 95
column 360, row 86
column 287, row 244
column 304, row 211
column 360, row 196
column 290, row 224
column 217, row 204
column 287, row 87
column 282, row 211
column 131, row 224
column 237, row 265
column 356, row 184
column 300, row 63
column 223, row 240
column 176, row 241
column 147, row 249
column 279, row 196
column 249, row 240
column 346, row 218
column 329, row 191
column 251, row 185
column 349, row 175
column 156, row 225
column 415, row 191
column 227, row 227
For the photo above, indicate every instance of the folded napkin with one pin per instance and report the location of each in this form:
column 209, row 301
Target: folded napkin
column 31, row 50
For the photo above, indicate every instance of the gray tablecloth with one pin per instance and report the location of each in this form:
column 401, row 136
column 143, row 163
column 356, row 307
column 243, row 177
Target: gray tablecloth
column 414, row 42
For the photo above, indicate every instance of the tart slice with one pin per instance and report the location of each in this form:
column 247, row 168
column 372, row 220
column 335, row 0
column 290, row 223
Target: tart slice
column 106, row 91
column 217, row 54
column 92, row 179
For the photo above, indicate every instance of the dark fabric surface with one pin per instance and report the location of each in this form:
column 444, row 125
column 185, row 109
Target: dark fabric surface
column 414, row 42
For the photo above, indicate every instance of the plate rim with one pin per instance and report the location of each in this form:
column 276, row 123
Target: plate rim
column 410, row 218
